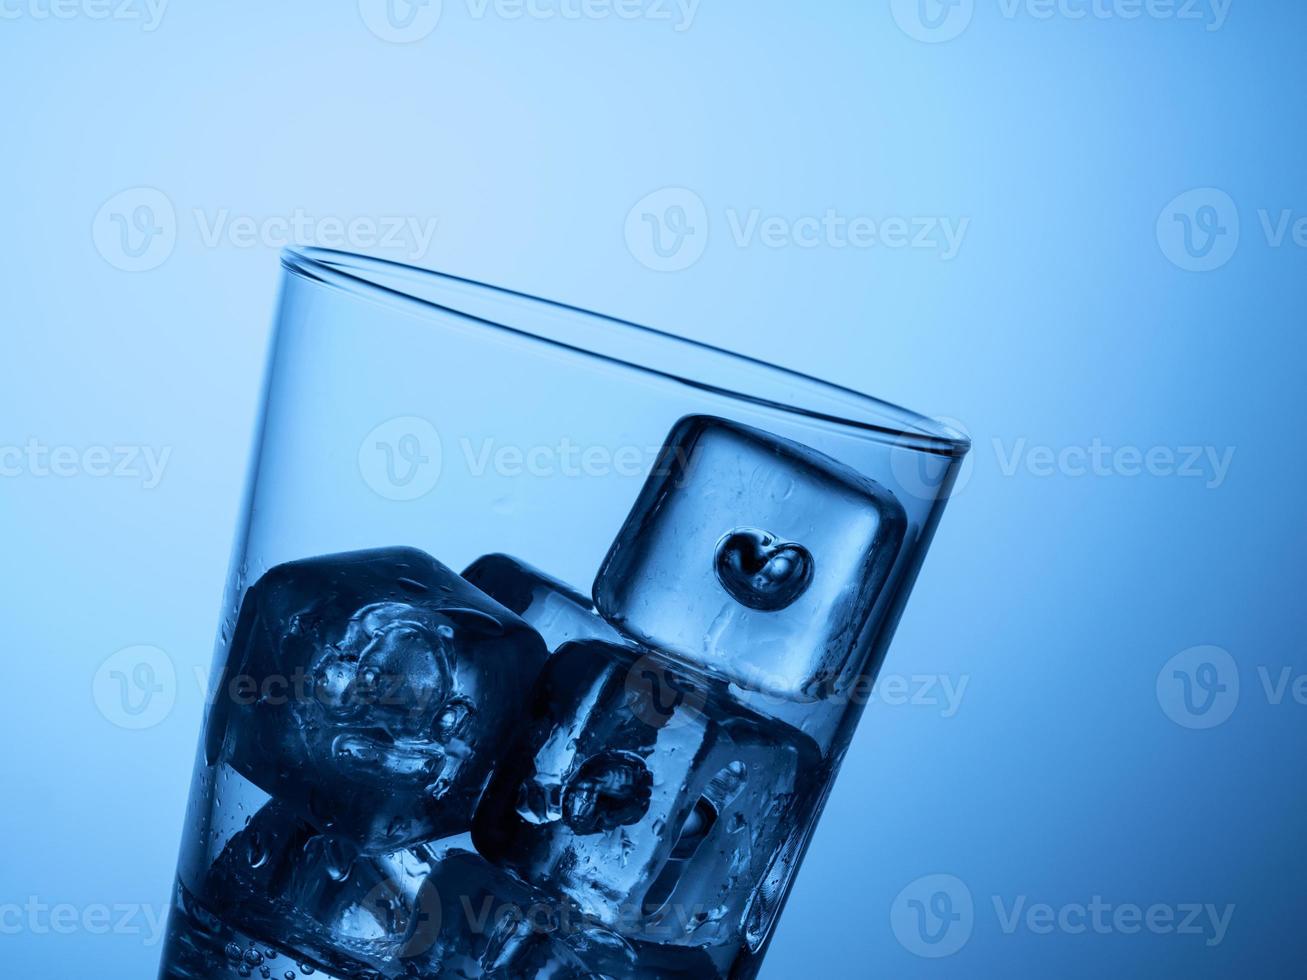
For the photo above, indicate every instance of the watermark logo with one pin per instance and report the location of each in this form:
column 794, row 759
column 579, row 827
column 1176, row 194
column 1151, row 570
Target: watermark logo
column 136, row 688
column 1199, row 687
column 934, row 916
column 1199, row 230
column 922, row 474
column 660, row 697
column 417, row 919
column 933, row 21
column 401, row 21
column 401, row 459
column 136, row 229
column 667, row 231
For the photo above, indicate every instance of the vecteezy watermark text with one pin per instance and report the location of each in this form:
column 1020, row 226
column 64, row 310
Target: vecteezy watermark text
column 37, row 460
column 394, row 232
column 941, row 692
column 831, row 229
column 38, row 918
column 1102, row 918
column 668, row 230
column 1212, row 14
column 409, row 21
column 1099, row 459
column 678, row 14
column 138, row 229
column 937, row 21
column 936, row 915
column 148, row 13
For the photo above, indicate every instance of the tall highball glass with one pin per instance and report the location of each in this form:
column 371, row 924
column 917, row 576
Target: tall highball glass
column 544, row 637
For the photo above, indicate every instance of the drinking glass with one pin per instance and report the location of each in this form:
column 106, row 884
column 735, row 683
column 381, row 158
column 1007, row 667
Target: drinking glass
column 543, row 639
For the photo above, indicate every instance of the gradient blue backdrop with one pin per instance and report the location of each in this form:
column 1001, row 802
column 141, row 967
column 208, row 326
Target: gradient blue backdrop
column 1069, row 317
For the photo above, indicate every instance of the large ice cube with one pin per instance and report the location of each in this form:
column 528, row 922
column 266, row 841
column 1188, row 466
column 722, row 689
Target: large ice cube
column 557, row 611
column 753, row 557
column 492, row 925
column 432, row 910
column 314, row 893
column 373, row 692
column 646, row 796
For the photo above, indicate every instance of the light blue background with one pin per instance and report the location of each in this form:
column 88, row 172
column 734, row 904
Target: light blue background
column 1063, row 319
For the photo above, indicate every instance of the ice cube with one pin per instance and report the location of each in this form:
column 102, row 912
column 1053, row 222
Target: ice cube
column 489, row 924
column 755, row 558
column 493, row 925
column 373, row 692
column 282, row 880
column 646, row 796
column 557, row 611
column 432, row 910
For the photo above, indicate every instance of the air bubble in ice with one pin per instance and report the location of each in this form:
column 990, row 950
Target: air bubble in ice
column 610, row 790
column 762, row 571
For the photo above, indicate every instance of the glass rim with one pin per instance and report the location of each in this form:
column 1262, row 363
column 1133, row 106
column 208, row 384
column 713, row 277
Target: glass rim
column 394, row 283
